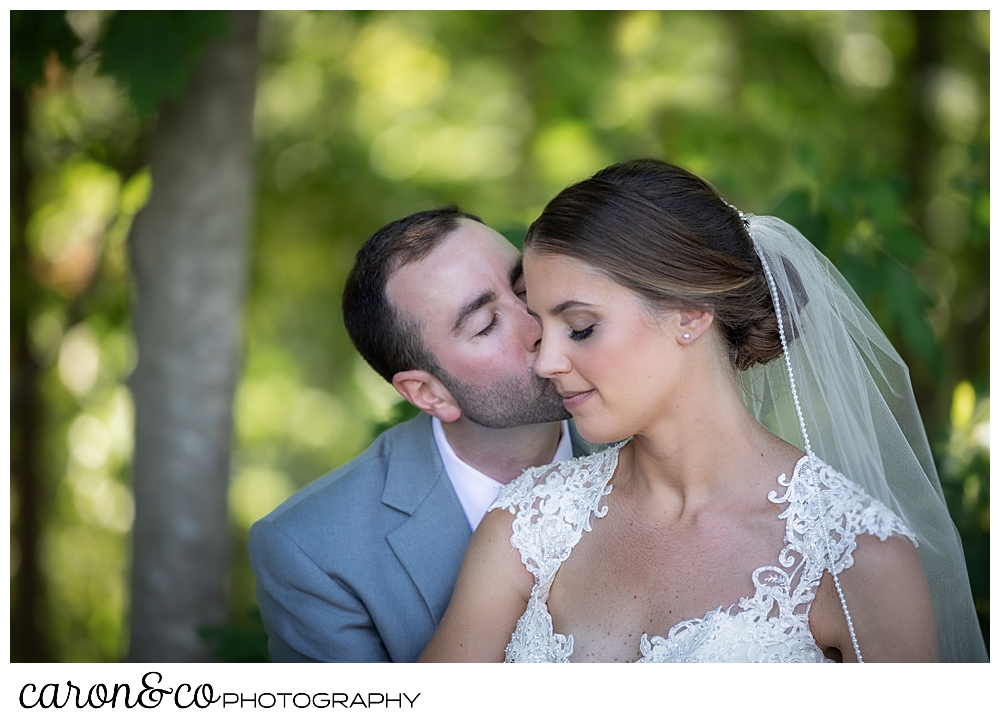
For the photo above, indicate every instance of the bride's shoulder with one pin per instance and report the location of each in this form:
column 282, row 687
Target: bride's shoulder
column 852, row 507
column 554, row 479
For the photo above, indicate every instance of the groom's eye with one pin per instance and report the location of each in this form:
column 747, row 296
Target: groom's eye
column 520, row 289
column 490, row 327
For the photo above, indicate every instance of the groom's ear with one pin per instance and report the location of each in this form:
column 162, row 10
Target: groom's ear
column 426, row 392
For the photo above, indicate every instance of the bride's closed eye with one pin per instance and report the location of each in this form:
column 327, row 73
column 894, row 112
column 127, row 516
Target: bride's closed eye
column 582, row 333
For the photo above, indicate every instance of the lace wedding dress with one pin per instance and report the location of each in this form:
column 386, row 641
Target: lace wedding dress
column 823, row 511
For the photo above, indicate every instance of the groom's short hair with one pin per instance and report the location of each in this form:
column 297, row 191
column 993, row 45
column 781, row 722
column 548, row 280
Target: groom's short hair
column 386, row 338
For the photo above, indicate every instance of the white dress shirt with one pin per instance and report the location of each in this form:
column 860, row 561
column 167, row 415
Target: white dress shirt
column 475, row 490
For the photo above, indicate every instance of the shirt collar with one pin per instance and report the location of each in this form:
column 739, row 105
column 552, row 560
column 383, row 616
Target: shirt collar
column 476, row 491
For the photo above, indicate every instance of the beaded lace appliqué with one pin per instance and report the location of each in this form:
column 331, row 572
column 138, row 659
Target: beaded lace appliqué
column 552, row 507
column 824, row 512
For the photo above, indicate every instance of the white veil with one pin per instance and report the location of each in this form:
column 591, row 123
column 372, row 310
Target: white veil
column 860, row 415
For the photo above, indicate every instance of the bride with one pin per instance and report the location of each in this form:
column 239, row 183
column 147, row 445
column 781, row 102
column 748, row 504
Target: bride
column 750, row 387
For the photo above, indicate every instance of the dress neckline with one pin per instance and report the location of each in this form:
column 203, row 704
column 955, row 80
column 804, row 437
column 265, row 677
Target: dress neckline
column 647, row 644
column 824, row 512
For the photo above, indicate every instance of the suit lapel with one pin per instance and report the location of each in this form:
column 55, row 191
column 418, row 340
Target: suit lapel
column 431, row 542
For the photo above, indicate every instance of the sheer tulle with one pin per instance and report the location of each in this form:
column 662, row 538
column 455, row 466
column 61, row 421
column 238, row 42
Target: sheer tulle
column 860, row 415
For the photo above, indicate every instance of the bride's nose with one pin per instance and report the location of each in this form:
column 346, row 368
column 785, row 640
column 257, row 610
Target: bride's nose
column 550, row 361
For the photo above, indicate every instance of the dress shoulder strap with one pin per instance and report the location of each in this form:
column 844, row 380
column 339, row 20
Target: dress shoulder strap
column 552, row 508
column 825, row 514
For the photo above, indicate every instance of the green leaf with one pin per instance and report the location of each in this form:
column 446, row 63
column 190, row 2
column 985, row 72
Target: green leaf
column 796, row 209
column 865, row 279
column 841, row 198
column 807, row 158
column 154, row 51
column 908, row 303
column 903, row 244
column 882, row 203
column 33, row 35
column 238, row 643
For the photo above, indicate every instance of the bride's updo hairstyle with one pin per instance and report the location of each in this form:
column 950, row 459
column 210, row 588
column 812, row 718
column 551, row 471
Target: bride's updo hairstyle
column 667, row 235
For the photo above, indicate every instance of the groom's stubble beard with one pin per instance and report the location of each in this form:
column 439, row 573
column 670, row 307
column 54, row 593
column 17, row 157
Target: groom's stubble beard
column 511, row 402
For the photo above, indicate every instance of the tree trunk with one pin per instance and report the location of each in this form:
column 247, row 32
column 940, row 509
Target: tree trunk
column 188, row 251
column 27, row 640
column 933, row 396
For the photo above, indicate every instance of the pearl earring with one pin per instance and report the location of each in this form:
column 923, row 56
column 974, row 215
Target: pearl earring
column 686, row 336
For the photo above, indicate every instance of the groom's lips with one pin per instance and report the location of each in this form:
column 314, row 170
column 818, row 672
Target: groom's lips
column 575, row 399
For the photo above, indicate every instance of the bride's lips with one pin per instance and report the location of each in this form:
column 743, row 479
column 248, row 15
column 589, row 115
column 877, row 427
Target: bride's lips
column 575, row 399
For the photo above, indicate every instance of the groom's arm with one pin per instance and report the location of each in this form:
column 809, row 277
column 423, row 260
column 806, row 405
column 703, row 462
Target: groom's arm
column 309, row 615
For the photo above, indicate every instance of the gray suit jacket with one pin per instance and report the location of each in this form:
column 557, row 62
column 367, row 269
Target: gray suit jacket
column 359, row 565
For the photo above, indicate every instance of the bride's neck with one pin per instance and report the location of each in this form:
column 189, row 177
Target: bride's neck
column 704, row 447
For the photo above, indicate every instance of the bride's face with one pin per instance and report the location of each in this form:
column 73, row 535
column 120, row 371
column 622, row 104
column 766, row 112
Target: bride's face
column 615, row 362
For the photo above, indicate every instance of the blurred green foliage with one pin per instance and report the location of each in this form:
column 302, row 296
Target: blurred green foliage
column 154, row 51
column 245, row 642
column 867, row 130
column 34, row 35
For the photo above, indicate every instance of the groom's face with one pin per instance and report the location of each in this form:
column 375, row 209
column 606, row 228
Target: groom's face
column 467, row 296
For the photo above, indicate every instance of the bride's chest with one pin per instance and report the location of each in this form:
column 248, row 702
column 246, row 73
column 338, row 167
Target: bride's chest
column 625, row 579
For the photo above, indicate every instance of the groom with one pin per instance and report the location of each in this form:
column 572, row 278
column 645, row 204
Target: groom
column 360, row 564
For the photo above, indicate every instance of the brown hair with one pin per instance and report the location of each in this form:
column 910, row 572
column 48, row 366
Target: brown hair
column 667, row 235
column 388, row 340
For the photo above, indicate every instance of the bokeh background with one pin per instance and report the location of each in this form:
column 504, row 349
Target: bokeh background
column 867, row 130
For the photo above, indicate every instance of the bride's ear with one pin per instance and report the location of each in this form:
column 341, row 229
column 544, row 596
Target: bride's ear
column 426, row 392
column 692, row 324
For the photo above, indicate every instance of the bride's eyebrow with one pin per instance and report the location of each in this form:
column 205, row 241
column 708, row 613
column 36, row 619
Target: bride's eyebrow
column 566, row 305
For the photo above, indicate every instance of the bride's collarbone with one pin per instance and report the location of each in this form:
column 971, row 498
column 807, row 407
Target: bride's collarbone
column 645, row 566
column 633, row 537
column 624, row 579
